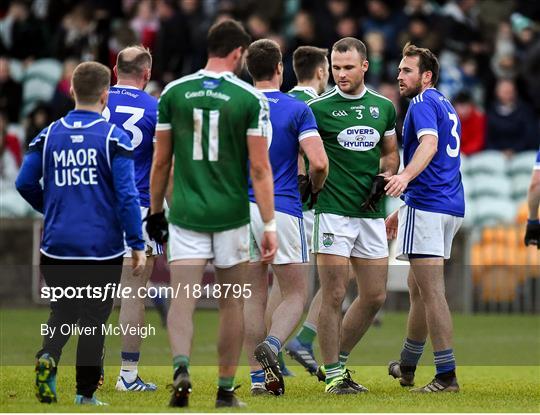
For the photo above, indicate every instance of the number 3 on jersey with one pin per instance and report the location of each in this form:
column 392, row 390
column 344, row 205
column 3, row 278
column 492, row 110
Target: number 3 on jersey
column 453, row 152
column 129, row 124
column 211, row 133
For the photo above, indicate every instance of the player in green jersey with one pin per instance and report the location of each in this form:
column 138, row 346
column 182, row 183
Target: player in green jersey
column 311, row 68
column 212, row 123
column 357, row 126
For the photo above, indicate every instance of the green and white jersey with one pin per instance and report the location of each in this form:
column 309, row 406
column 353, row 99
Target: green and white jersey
column 303, row 93
column 210, row 115
column 352, row 128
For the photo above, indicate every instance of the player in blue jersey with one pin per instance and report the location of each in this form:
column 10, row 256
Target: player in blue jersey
column 434, row 207
column 134, row 111
column 532, row 234
column 89, row 201
column 293, row 127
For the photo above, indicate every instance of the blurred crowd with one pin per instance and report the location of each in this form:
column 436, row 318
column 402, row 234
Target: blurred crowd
column 489, row 52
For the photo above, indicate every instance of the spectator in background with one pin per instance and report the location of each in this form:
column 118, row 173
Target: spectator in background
column 258, row 26
column 420, row 33
column 198, row 25
column 473, row 124
column 62, row 102
column 39, row 118
column 376, row 58
column 10, row 92
column 381, row 18
column 23, row 36
column 172, row 42
column 10, row 154
column 145, row 23
column 511, row 124
column 77, row 35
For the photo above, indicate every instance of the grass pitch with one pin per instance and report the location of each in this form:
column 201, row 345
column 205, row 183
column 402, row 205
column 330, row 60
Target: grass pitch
column 498, row 358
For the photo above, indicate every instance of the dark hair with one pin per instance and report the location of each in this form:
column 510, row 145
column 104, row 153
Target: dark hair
column 306, row 60
column 349, row 43
column 135, row 66
column 89, row 81
column 262, row 58
column 427, row 61
column 225, row 37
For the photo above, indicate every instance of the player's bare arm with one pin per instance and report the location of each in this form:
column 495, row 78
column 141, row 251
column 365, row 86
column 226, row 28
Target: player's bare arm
column 161, row 168
column 389, row 156
column 422, row 157
column 318, row 161
column 533, row 199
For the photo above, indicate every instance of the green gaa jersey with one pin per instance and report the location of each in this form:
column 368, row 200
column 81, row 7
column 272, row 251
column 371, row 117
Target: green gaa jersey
column 304, row 93
column 352, row 129
column 210, row 115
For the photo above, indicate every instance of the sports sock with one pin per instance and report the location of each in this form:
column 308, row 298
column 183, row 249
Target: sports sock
column 227, row 383
column 411, row 352
column 333, row 371
column 306, row 335
column 257, row 376
column 129, row 371
column 281, row 360
column 343, row 357
column 274, row 343
column 180, row 360
column 445, row 361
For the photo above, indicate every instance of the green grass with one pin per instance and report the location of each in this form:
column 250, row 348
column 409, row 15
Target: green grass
column 498, row 357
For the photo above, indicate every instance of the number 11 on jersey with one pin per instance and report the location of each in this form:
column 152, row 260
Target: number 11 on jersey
column 211, row 133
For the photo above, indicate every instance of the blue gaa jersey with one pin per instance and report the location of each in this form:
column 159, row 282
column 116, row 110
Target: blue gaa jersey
column 88, row 196
column 135, row 112
column 438, row 188
column 291, row 121
column 537, row 164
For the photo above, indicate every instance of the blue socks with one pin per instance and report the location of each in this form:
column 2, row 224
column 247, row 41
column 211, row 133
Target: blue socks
column 411, row 352
column 274, row 344
column 257, row 376
column 445, row 361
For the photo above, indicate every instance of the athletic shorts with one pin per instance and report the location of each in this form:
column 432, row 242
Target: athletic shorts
column 152, row 248
column 309, row 218
column 226, row 249
column 425, row 233
column 349, row 237
column 291, row 236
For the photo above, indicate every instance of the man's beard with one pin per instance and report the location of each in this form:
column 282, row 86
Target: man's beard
column 239, row 68
column 413, row 91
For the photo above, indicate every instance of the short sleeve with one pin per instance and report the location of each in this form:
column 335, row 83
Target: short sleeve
column 391, row 125
column 424, row 117
column 37, row 143
column 259, row 118
column 120, row 144
column 307, row 126
column 537, row 163
column 163, row 115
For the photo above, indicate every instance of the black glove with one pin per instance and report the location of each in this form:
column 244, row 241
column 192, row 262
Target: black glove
column 157, row 227
column 313, row 200
column 375, row 195
column 304, row 187
column 532, row 234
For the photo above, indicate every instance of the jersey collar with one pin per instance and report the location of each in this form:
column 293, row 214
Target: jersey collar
column 308, row 89
column 349, row 96
column 124, row 86
column 212, row 74
column 268, row 90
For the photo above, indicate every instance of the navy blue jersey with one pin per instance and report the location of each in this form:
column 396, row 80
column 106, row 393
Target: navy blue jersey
column 291, row 122
column 438, row 188
column 88, row 196
column 537, row 164
column 135, row 112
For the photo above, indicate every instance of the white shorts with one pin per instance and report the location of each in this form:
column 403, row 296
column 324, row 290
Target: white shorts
column 349, row 237
column 152, row 248
column 291, row 236
column 425, row 233
column 309, row 218
column 227, row 248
